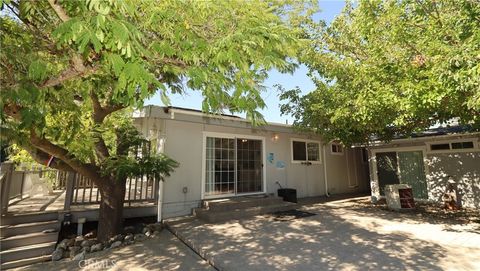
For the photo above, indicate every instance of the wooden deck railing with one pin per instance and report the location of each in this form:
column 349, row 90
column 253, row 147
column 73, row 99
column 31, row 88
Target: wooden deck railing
column 137, row 190
column 79, row 190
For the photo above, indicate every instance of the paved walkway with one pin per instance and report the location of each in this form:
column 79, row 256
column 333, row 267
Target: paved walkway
column 163, row 253
column 341, row 236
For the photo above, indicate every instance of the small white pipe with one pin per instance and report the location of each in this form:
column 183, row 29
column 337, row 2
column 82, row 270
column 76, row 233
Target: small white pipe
column 325, row 169
column 160, row 201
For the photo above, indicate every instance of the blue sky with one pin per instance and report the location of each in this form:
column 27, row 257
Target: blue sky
column 193, row 99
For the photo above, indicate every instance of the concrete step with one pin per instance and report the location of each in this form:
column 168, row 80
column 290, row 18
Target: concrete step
column 26, row 252
column 24, row 262
column 220, row 216
column 28, row 239
column 12, row 230
column 13, row 219
column 240, row 203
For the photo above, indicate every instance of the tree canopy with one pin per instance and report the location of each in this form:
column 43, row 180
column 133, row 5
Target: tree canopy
column 391, row 67
column 73, row 71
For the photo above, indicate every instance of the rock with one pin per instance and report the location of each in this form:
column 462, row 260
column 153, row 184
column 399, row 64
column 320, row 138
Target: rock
column 57, row 254
column 86, row 249
column 71, row 242
column 87, row 243
column 118, row 237
column 139, row 237
column 145, row 230
column 79, row 240
column 96, row 247
column 116, row 244
column 128, row 238
column 148, row 233
column 156, row 227
column 63, row 244
column 79, row 256
column 91, row 234
column 129, row 229
column 74, row 251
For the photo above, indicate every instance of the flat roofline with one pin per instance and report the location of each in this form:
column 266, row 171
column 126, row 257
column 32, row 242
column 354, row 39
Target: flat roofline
column 379, row 143
column 195, row 112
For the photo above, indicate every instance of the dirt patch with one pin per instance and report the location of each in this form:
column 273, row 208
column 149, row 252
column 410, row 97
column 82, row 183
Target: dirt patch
column 430, row 211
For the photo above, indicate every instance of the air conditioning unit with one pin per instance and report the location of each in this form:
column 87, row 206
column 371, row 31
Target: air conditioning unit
column 399, row 197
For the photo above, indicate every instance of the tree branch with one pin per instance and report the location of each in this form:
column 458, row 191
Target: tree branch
column 99, row 114
column 78, row 69
column 38, row 155
column 42, row 157
column 88, row 170
column 62, row 14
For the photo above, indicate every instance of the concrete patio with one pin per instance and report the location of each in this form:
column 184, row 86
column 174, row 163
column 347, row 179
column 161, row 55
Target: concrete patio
column 341, row 236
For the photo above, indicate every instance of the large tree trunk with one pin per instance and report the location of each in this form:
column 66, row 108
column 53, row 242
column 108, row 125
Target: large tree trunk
column 110, row 220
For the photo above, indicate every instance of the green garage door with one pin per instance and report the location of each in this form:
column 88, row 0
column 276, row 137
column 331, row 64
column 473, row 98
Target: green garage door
column 412, row 172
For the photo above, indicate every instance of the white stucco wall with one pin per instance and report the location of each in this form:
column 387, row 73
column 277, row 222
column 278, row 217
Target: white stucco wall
column 184, row 135
column 463, row 166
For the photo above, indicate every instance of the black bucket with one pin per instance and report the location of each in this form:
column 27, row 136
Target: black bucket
column 288, row 194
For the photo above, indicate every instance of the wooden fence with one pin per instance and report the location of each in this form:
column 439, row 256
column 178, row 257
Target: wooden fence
column 137, row 190
column 79, row 190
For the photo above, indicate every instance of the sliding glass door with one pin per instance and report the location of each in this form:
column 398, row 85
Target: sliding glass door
column 233, row 166
column 249, row 166
column 406, row 167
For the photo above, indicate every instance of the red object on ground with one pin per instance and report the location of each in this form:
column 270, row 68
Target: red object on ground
column 406, row 198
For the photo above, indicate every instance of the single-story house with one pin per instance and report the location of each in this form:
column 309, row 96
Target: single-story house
column 225, row 156
column 428, row 161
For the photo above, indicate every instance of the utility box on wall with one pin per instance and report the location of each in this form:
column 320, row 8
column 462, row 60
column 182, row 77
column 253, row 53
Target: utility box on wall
column 399, row 196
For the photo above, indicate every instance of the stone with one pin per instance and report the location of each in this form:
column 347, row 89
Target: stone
column 118, row 237
column 63, row 244
column 116, row 244
column 156, row 227
column 129, row 229
column 91, row 234
column 79, row 240
column 128, row 238
column 80, row 256
column 74, row 251
column 145, row 230
column 96, row 247
column 86, row 249
column 57, row 254
column 139, row 237
column 148, row 233
column 87, row 243
column 71, row 242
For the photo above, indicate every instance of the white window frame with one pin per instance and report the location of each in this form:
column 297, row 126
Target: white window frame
column 337, row 153
column 374, row 173
column 476, row 146
column 306, row 151
column 204, row 163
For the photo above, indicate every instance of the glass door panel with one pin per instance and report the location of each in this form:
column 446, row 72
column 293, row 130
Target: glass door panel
column 412, row 172
column 249, row 166
column 387, row 170
column 220, row 166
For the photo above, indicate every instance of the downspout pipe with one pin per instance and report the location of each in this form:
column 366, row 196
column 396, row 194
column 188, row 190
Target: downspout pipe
column 160, row 201
column 325, row 169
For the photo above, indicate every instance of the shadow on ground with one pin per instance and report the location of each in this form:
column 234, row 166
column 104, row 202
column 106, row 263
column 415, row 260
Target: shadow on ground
column 334, row 239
